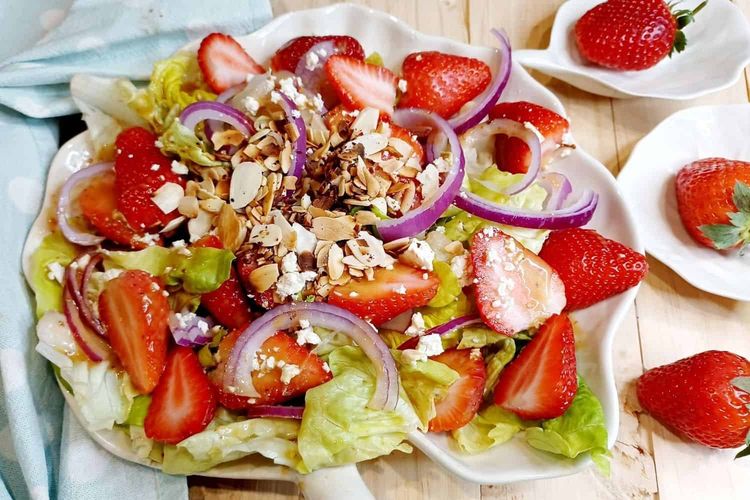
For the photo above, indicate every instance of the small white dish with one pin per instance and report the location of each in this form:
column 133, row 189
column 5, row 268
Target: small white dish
column 718, row 50
column 647, row 184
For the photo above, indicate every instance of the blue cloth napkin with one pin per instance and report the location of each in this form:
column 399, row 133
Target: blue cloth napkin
column 44, row 452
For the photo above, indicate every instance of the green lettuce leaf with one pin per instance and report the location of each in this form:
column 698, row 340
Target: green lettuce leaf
column 201, row 270
column 579, row 430
column 490, row 427
column 423, row 382
column 138, row 410
column 435, row 316
column 139, row 442
column 480, row 336
column 181, row 141
column 449, row 288
column 175, row 83
column 496, row 362
column 274, row 438
column 339, row 428
column 392, row 338
column 54, row 249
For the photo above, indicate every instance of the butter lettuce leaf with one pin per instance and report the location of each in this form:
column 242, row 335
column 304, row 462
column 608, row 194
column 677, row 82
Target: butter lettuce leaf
column 54, row 250
column 435, row 316
column 449, row 288
column 339, row 428
column 490, row 427
column 183, row 142
column 496, row 362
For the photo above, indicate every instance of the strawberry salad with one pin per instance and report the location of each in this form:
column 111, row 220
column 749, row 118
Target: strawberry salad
column 314, row 258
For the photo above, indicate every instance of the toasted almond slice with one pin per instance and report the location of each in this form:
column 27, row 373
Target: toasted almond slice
column 200, row 225
column 246, row 180
column 266, row 235
column 353, row 262
column 264, row 277
column 366, row 121
column 168, row 197
column 365, row 218
column 335, row 262
column 173, row 224
column 371, row 143
column 212, row 205
column 188, row 206
column 397, row 246
column 333, row 228
column 230, row 228
column 454, row 248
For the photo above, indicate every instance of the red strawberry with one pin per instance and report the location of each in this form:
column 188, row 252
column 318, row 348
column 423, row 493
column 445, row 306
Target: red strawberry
column 632, row 34
column 227, row 304
column 98, row 203
column 704, row 397
column 515, row 289
column 288, row 56
column 379, row 300
column 511, row 153
column 361, row 85
column 442, row 83
column 135, row 312
column 713, row 197
column 224, row 62
column 461, row 401
column 183, row 403
column 140, row 170
column 541, row 382
column 592, row 267
column 408, row 137
column 247, row 262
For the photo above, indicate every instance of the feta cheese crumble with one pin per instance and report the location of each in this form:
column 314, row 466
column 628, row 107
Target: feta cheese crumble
column 418, row 254
column 288, row 372
column 179, row 168
column 56, row 272
column 306, row 334
column 430, row 345
column 417, row 326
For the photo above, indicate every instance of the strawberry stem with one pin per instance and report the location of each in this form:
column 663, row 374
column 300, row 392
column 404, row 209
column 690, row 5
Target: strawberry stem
column 683, row 17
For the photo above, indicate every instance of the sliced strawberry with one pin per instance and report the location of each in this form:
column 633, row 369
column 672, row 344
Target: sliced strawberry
column 224, row 62
column 183, row 403
column 247, row 262
column 461, row 401
column 541, row 382
column 135, row 312
column 227, row 304
column 140, row 170
column 442, row 83
column 361, row 85
column 288, row 56
column 390, row 293
column 409, row 138
column 511, row 153
column 515, row 289
column 98, row 203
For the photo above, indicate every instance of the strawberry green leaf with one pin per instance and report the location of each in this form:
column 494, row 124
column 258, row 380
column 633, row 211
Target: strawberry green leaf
column 683, row 17
column 746, row 451
column 742, row 383
column 722, row 235
column 741, row 196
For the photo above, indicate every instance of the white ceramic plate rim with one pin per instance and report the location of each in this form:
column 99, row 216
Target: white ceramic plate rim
column 607, row 315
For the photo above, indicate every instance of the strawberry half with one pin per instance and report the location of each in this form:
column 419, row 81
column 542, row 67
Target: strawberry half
column 135, row 312
column 98, row 203
column 592, row 267
column 247, row 262
column 140, row 170
column 227, row 304
column 461, row 400
column 224, row 62
column 511, row 153
column 183, row 403
column 515, row 289
column 288, row 56
column 442, row 83
column 541, row 382
column 380, row 300
column 360, row 85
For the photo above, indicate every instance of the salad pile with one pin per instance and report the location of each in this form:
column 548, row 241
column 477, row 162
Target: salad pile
column 315, row 258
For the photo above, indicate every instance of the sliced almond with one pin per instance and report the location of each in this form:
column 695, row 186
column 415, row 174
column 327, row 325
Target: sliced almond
column 264, row 277
column 173, row 224
column 246, row 180
column 188, row 206
column 168, row 197
column 266, row 235
column 321, row 253
column 212, row 205
column 371, row 143
column 454, row 248
column 403, row 148
column 335, row 262
column 397, row 246
column 286, row 157
column 229, row 137
column 353, row 262
column 230, row 229
column 366, row 121
column 200, row 225
column 333, row 228
column 365, row 218
column 356, row 273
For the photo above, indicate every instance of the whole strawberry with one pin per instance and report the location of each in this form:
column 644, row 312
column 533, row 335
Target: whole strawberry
column 713, row 197
column 632, row 34
column 704, row 397
column 592, row 267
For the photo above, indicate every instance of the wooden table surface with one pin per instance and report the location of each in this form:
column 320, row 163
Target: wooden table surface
column 670, row 318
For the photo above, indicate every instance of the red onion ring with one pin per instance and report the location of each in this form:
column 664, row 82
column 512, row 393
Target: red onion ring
column 512, row 129
column 558, row 189
column 475, row 114
column 87, row 314
column 65, row 202
column 273, row 411
column 95, row 348
column 237, row 375
column 190, row 334
column 313, row 78
column 294, row 118
column 416, row 221
column 214, row 125
column 443, row 329
column 212, row 110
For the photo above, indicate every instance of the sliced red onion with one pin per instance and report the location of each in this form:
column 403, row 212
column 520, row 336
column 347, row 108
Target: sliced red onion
column 273, row 411
column 95, row 348
column 65, row 205
column 294, row 117
column 558, row 189
column 87, row 314
column 511, row 128
column 448, row 327
column 576, row 215
column 190, row 330
column 237, row 375
column 313, row 76
column 212, row 110
column 482, row 105
column 418, row 220
column 215, row 125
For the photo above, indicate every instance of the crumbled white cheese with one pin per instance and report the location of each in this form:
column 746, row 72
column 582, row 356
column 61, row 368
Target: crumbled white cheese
column 275, row 97
column 181, row 248
column 380, row 204
column 290, row 284
column 289, row 89
column 289, row 263
column 441, row 165
column 306, row 334
column 430, row 345
column 56, row 272
column 419, row 57
column 401, row 289
column 288, row 372
column 157, row 143
column 318, row 103
column 111, row 274
column 296, row 114
column 412, row 356
column 311, row 60
column 417, row 326
column 306, row 240
column 179, row 168
column 430, row 180
column 326, row 368
column 392, row 203
column 305, row 201
column 168, row 197
column 147, row 239
column 402, row 85
column 418, row 254
column 461, row 267
column 251, row 104
column 155, row 167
